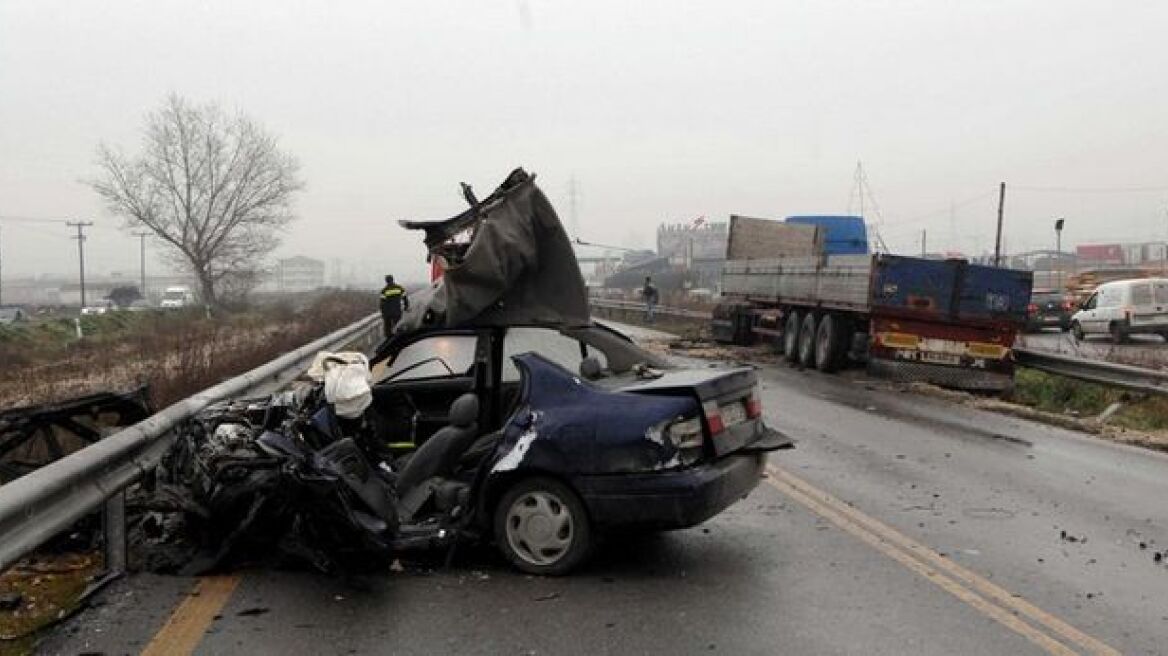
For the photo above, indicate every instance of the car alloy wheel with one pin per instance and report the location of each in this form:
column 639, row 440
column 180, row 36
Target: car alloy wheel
column 542, row 528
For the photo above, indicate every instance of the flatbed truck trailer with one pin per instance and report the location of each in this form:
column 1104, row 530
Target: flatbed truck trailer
column 946, row 322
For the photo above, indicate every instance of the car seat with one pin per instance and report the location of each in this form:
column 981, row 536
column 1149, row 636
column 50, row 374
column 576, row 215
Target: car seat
column 441, row 452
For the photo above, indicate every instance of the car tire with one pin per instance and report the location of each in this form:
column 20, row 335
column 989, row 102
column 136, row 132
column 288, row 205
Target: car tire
column 1077, row 331
column 542, row 528
column 807, row 341
column 791, row 337
column 829, row 343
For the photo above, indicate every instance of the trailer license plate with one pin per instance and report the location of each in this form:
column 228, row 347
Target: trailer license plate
column 939, row 358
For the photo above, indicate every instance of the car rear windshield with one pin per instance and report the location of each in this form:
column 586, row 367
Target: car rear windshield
column 1046, row 297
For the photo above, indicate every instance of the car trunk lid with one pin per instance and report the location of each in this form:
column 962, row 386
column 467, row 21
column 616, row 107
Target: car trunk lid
column 731, row 407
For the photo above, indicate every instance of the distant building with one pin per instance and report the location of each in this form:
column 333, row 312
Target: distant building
column 686, row 242
column 1119, row 255
column 299, row 274
column 695, row 250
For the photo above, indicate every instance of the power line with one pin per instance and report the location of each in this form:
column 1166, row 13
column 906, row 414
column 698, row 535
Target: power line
column 31, row 219
column 1090, row 190
column 952, row 207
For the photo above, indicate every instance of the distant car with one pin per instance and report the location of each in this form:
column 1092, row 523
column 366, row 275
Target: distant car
column 177, row 297
column 1048, row 309
column 1123, row 308
column 11, row 315
column 98, row 308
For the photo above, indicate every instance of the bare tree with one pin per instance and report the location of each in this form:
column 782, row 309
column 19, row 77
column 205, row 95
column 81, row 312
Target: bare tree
column 215, row 188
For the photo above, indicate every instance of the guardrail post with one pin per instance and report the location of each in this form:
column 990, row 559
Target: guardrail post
column 113, row 523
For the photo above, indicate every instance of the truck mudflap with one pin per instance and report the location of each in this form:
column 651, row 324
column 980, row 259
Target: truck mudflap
column 942, row 375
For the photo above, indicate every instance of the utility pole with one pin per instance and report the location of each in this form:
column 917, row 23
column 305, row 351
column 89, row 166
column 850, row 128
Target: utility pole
column 924, row 237
column 998, row 237
column 1, row 273
column 1058, row 247
column 81, row 226
column 142, row 258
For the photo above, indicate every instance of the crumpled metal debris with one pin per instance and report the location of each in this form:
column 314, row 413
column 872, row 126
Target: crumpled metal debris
column 276, row 479
column 33, row 436
column 517, row 267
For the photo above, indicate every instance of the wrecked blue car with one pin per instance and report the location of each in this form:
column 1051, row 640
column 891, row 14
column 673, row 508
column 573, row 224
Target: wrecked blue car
column 578, row 430
column 496, row 411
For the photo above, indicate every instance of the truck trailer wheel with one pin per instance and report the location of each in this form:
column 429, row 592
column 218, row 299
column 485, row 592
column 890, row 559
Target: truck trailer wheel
column 791, row 337
column 807, row 341
column 830, row 343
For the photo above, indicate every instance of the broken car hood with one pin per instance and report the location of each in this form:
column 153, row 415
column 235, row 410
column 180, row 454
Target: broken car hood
column 518, row 267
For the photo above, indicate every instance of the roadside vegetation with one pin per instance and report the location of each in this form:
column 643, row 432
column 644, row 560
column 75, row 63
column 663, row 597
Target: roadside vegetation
column 175, row 354
column 1058, row 394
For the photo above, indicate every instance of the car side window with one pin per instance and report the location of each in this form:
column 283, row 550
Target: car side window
column 434, row 357
column 1141, row 294
column 1160, row 290
column 555, row 346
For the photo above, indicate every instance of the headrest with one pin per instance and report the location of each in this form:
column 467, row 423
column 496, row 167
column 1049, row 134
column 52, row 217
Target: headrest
column 590, row 367
column 464, row 411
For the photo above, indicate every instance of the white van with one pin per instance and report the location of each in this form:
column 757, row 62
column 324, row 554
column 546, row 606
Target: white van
column 177, row 297
column 1122, row 308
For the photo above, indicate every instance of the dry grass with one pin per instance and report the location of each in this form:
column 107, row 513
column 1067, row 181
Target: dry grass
column 175, row 354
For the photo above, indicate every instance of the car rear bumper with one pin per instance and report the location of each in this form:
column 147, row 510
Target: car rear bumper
column 671, row 499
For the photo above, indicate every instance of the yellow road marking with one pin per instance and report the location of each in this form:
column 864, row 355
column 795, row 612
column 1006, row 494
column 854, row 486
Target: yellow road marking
column 930, row 564
column 188, row 623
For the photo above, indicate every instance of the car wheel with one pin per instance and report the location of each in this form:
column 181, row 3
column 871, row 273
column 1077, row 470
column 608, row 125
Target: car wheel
column 1077, row 331
column 791, row 337
column 829, row 344
column 807, row 341
column 542, row 528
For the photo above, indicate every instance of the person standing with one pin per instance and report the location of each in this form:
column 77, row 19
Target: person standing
column 649, row 295
column 393, row 302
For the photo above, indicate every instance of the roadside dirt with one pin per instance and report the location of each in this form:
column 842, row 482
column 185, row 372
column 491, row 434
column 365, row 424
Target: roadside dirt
column 40, row 591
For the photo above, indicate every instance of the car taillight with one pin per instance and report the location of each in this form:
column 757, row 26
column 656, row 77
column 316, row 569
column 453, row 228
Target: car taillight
column 1032, row 308
column 686, row 433
column 753, row 405
column 713, row 417
column 1067, row 305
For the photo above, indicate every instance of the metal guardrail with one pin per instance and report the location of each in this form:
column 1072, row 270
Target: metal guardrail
column 43, row 503
column 638, row 306
column 1096, row 371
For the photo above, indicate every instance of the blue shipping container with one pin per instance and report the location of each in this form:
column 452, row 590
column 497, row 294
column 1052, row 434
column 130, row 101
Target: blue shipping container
column 949, row 289
column 843, row 235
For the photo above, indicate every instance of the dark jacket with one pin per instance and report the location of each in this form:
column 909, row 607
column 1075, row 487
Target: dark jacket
column 394, row 300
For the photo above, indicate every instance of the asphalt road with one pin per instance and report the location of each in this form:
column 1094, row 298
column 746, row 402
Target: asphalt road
column 900, row 524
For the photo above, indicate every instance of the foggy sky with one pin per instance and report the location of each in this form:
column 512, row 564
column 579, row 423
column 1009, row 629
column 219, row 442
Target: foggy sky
column 662, row 111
